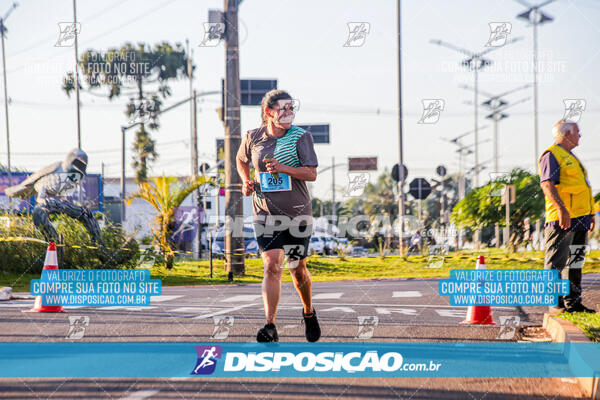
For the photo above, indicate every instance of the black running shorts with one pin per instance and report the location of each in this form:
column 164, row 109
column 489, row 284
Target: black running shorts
column 293, row 241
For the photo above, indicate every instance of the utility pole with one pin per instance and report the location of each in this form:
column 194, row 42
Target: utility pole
column 333, row 211
column 197, row 253
column 401, row 210
column 77, row 75
column 234, row 240
column 194, row 146
column 123, row 166
column 2, row 32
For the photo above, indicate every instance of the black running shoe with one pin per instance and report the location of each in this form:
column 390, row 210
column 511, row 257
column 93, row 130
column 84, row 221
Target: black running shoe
column 311, row 326
column 268, row 333
column 580, row 308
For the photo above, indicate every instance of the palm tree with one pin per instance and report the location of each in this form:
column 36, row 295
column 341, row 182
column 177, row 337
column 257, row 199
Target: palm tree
column 165, row 194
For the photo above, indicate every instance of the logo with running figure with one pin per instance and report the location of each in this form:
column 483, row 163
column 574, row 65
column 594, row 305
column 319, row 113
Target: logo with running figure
column 574, row 109
column 499, row 34
column 207, row 359
column 432, row 109
column 577, row 253
column 357, row 33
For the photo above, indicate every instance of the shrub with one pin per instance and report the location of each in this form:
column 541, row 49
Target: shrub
column 27, row 254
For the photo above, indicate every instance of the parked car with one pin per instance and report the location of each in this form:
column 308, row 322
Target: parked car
column 250, row 243
column 316, row 245
column 344, row 246
column 359, row 251
column 330, row 245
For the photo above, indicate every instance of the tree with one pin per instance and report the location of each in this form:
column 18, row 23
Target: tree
column 481, row 207
column 165, row 194
column 129, row 71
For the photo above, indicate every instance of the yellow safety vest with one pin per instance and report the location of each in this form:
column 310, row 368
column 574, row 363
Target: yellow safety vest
column 573, row 189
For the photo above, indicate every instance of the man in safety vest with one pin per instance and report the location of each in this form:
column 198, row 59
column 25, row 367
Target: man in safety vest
column 569, row 212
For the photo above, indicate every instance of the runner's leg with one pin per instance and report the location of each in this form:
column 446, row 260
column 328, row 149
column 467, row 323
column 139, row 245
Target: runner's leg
column 271, row 284
column 303, row 284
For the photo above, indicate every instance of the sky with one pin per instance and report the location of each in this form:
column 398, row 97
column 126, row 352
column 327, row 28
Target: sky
column 354, row 89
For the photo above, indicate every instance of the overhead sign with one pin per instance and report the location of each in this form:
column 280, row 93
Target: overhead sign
column 362, row 163
column 419, row 188
column 252, row 91
column 320, row 133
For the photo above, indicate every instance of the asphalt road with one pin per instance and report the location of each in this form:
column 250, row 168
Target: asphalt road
column 375, row 310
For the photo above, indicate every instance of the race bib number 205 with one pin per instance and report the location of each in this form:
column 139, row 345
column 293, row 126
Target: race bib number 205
column 270, row 183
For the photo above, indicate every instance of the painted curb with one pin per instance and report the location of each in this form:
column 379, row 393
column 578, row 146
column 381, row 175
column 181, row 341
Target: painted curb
column 563, row 331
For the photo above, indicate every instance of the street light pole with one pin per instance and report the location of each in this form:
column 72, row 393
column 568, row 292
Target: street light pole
column 476, row 61
column 535, row 16
column 77, row 76
column 333, row 211
column 2, row 32
column 126, row 128
column 401, row 210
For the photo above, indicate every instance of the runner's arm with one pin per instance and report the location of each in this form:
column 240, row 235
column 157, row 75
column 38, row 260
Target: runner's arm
column 243, row 169
column 302, row 173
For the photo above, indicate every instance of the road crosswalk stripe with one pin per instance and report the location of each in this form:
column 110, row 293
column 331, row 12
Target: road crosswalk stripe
column 327, row 296
column 241, row 297
column 140, row 394
column 226, row 311
column 407, row 293
column 161, row 298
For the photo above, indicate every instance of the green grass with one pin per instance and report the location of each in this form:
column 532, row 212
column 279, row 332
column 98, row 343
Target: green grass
column 588, row 323
column 186, row 272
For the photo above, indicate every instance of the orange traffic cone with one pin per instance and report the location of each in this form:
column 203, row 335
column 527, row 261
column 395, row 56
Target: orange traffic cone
column 479, row 315
column 51, row 262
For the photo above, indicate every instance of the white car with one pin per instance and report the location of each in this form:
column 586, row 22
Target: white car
column 316, row 245
column 344, row 245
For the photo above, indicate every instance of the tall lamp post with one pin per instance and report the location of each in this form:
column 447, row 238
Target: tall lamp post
column 475, row 62
column 535, row 17
column 2, row 33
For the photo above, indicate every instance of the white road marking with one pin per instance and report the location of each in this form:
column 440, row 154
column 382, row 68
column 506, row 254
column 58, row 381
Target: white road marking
column 242, row 297
column 404, row 305
column 327, row 296
column 452, row 313
column 140, row 394
column 161, row 298
column 16, row 305
column 226, row 311
column 340, row 309
column 289, row 326
column 407, row 293
column 192, row 309
column 388, row 311
column 139, row 308
column 280, row 307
